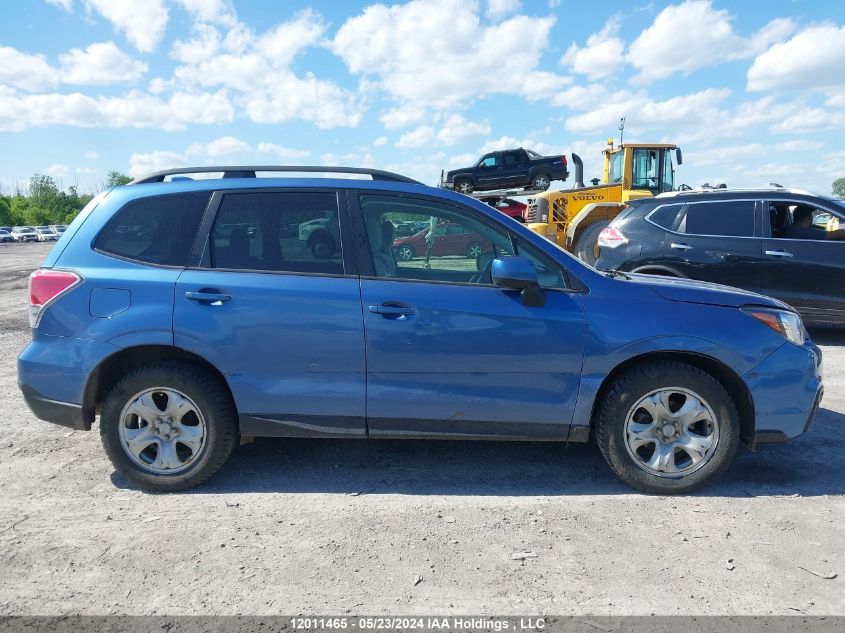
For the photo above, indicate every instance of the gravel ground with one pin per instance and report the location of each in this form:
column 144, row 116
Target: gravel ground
column 334, row 526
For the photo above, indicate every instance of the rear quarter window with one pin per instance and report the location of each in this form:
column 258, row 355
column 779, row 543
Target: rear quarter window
column 665, row 215
column 155, row 230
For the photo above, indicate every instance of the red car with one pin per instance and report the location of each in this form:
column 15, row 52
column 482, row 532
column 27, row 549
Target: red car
column 510, row 207
column 448, row 239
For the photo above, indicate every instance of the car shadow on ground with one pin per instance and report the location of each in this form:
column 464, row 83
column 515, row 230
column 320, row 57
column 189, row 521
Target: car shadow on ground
column 811, row 465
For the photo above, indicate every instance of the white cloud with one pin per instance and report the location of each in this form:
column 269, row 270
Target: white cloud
column 692, row 35
column 101, row 63
column 143, row 23
column 798, row 146
column 135, row 109
column 86, row 170
column 141, row 164
column 91, row 155
column 809, row 119
column 403, row 116
column 436, row 54
column 418, row 137
column 603, row 54
column 815, row 57
column 381, row 140
column 456, row 129
column 62, row 4
column 57, row 170
column 282, row 152
column 283, row 42
column 497, row 9
column 223, row 147
column 204, row 44
column 211, row 11
column 24, row 71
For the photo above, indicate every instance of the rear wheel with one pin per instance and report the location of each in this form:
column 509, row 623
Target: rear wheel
column 586, row 244
column 667, row 427
column 541, row 181
column 168, row 426
column 474, row 250
column 464, row 186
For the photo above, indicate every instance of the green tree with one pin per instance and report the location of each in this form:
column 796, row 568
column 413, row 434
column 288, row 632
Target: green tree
column 115, row 178
column 5, row 211
column 839, row 187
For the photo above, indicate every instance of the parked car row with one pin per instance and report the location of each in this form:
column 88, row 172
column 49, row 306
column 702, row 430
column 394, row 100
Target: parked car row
column 784, row 243
column 31, row 234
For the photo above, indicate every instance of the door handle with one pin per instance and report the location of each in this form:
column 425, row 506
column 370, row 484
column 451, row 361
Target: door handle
column 399, row 313
column 211, row 298
column 778, row 253
column 679, row 246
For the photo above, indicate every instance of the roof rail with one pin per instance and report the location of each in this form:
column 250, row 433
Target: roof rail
column 692, row 192
column 230, row 171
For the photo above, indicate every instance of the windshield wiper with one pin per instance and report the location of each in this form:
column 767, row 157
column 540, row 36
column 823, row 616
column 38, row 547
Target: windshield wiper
column 617, row 273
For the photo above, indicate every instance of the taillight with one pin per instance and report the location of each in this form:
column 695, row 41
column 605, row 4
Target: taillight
column 563, row 158
column 45, row 286
column 611, row 237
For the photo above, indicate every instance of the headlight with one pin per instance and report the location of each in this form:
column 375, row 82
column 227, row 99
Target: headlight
column 786, row 323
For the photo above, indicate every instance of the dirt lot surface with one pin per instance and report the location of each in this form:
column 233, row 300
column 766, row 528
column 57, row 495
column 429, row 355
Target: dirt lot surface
column 332, row 526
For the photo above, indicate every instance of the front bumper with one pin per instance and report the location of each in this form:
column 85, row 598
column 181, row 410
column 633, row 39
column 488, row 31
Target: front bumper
column 787, row 390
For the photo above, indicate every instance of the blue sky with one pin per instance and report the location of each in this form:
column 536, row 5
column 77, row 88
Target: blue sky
column 753, row 91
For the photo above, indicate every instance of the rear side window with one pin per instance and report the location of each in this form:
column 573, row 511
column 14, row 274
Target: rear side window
column 731, row 218
column 155, row 230
column 290, row 231
column 665, row 215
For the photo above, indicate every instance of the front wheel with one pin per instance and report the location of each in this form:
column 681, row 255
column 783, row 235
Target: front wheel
column 168, row 426
column 474, row 250
column 667, row 427
column 405, row 252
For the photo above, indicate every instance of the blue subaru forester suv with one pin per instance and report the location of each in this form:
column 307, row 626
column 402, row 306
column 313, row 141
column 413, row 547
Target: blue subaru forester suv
column 189, row 313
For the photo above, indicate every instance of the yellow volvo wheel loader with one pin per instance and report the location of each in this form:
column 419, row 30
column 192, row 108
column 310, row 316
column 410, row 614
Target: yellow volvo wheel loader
column 573, row 218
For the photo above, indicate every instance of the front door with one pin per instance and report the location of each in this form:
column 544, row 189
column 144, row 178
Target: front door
column 717, row 241
column 489, row 171
column 451, row 355
column 275, row 305
column 808, row 274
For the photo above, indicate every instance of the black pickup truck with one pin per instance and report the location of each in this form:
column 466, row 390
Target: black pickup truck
column 508, row 168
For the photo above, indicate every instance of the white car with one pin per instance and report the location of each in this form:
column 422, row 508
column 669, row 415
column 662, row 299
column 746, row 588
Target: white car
column 46, row 234
column 24, row 234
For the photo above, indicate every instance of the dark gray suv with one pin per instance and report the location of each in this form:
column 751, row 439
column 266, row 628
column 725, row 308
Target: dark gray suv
column 779, row 242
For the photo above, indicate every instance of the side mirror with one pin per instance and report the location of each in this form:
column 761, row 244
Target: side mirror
column 518, row 273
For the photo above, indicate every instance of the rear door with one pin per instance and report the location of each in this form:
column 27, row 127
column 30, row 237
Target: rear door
column 807, row 274
column 717, row 241
column 279, row 316
column 514, row 168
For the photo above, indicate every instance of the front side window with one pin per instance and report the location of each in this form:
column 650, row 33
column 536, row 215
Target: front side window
column 295, row 232
column 730, row 218
column 668, row 182
column 616, row 164
column 155, row 230
column 452, row 245
column 488, row 161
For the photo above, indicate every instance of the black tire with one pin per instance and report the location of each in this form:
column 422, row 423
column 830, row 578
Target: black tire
column 464, row 185
column 322, row 246
column 586, row 248
column 627, row 390
column 211, row 396
column 541, row 181
column 474, row 250
column 405, row 252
